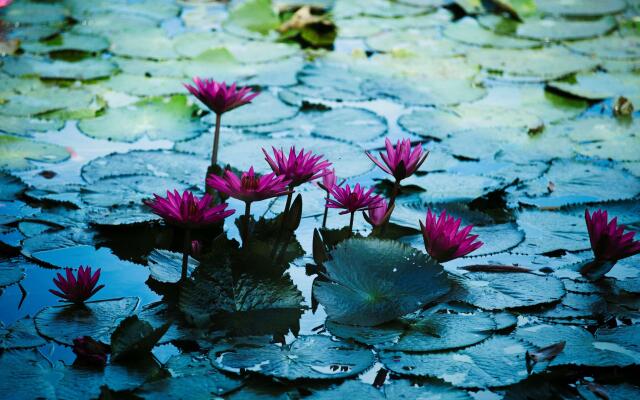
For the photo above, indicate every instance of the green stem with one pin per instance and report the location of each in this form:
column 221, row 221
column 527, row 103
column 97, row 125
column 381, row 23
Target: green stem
column 185, row 253
column 326, row 212
column 394, row 193
column 216, row 141
column 288, row 204
column 353, row 214
column 247, row 216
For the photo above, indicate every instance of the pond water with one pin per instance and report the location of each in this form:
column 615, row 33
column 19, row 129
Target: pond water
column 526, row 108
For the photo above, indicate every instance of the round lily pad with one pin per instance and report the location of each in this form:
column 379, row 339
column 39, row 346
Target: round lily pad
column 443, row 187
column 147, row 8
column 343, row 156
column 73, row 103
column 468, row 31
column 156, row 118
column 423, row 42
column 17, row 152
column 403, row 389
column 163, row 164
column 145, row 85
column 85, row 69
column 25, row 126
column 97, row 319
column 21, row 335
column 532, row 64
column 68, row 41
column 349, row 389
column 548, row 231
column 578, row 183
column 264, row 109
column 11, row 271
column 198, row 386
column 27, row 374
column 581, row 8
column 308, row 357
column 370, row 282
column 427, row 331
column 609, row 47
column 601, row 85
column 28, row 12
column 424, row 93
column 110, row 22
column 559, row 29
column 500, row 290
column 575, row 305
column 499, row 361
column 145, row 43
column 166, row 266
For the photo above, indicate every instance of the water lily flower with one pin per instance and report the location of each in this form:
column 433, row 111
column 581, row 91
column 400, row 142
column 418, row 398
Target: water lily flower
column 443, row 240
column 77, row 289
column 352, row 200
column 297, row 168
column 189, row 212
column 609, row 243
column 219, row 98
column 400, row 161
column 608, row 240
column 4, row 3
column 378, row 214
column 89, row 351
column 249, row 187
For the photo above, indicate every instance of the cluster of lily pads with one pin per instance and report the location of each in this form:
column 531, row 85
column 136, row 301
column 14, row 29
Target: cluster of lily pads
column 304, row 302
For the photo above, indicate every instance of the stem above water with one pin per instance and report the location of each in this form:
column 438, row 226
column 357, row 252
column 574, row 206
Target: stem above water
column 216, row 141
column 185, row 253
column 353, row 214
column 247, row 215
column 326, row 211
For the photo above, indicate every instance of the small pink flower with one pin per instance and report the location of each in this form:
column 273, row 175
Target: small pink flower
column 442, row 239
column 90, row 351
column 609, row 242
column 378, row 214
column 351, row 200
column 297, row 168
column 249, row 187
column 188, row 211
column 77, row 290
column 400, row 161
column 4, row 3
column 219, row 97
column 329, row 179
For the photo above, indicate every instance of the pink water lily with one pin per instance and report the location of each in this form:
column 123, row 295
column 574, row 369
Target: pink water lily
column 443, row 240
column 400, row 161
column 77, row 289
column 299, row 167
column 329, row 179
column 4, row 3
column 609, row 241
column 378, row 214
column 351, row 200
column 249, row 187
column 187, row 210
column 219, row 97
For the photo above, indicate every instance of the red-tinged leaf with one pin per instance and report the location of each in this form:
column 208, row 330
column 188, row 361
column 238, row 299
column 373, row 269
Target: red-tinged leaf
column 545, row 354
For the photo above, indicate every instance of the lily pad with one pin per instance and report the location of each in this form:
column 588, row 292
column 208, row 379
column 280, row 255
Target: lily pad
column 152, row 43
column 105, row 23
column 468, row 31
column 558, row 29
column 21, row 335
column 85, row 69
column 264, row 109
column 10, row 187
column 498, row 361
column 575, row 305
column 68, row 41
column 441, row 92
column 27, row 374
column 27, row 12
column 349, row 389
column 601, row 85
column 144, row 85
column 25, row 126
column 97, row 319
column 11, row 271
column 424, row 42
column 426, row 331
column 578, row 183
column 581, row 8
column 17, row 152
column 443, row 187
column 547, row 231
column 198, row 386
column 537, row 65
column 156, row 118
column 123, row 191
column 612, row 47
column 255, row 16
column 73, row 103
column 135, row 337
column 500, row 290
column 403, row 389
column 308, row 357
column 373, row 281
column 166, row 266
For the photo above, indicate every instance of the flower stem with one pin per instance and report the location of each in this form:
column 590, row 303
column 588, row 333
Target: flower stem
column 394, row 193
column 216, row 141
column 247, row 215
column 288, row 204
column 185, row 253
column 326, row 212
column 353, row 214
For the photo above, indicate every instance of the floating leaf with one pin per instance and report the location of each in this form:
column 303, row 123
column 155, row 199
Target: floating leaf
column 26, row 374
column 468, row 31
column 155, row 118
column 308, row 357
column 166, row 266
column 145, row 85
column 11, row 271
column 575, row 305
column 441, row 92
column 17, row 152
column 609, row 47
column 264, row 109
column 28, row 12
column 426, row 331
column 10, row 187
column 25, row 126
column 499, row 290
column 135, row 337
column 255, row 16
column 97, row 319
column 68, row 41
column 373, row 281
column 581, row 8
column 22, row 334
column 498, row 361
column 85, row 69
column 443, row 187
column 349, row 389
column 122, row 191
column 546, row 231
column 558, row 29
column 601, row 85
column 402, row 389
column 74, row 103
column 150, row 43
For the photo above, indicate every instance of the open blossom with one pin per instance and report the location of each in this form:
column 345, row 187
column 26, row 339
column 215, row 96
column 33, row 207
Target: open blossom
column 219, row 97
column 351, row 200
column 90, row 351
column 442, row 239
column 609, row 242
column 400, row 161
column 188, row 211
column 298, row 168
column 378, row 214
column 249, row 187
column 77, row 289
